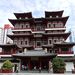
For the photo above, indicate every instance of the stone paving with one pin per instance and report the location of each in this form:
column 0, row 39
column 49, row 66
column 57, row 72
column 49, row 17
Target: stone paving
column 43, row 72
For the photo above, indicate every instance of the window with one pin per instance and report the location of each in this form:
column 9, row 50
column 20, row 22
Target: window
column 38, row 43
column 26, row 26
column 50, row 51
column 60, row 24
column 25, row 42
column 21, row 42
column 15, row 41
column 52, row 25
column 49, row 25
column 55, row 41
column 21, row 26
column 50, row 41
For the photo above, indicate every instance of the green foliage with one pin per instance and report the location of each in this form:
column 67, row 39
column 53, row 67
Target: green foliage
column 64, row 49
column 58, row 64
column 7, row 65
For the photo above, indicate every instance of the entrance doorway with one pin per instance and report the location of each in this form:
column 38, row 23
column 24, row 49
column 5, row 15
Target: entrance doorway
column 34, row 65
column 24, row 65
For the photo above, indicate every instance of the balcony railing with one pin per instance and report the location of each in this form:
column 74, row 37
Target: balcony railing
column 37, row 35
column 65, row 52
column 20, row 28
column 3, row 53
column 55, row 28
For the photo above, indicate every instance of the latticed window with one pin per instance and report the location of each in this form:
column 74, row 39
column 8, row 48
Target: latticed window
column 60, row 24
column 21, row 42
column 16, row 25
column 38, row 43
column 49, row 25
column 27, row 25
column 54, row 23
column 15, row 41
column 50, row 41
column 26, row 42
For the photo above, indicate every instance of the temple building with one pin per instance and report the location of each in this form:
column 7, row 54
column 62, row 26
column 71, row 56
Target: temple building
column 36, row 41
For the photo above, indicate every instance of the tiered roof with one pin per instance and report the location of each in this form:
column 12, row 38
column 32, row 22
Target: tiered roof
column 53, row 13
column 23, row 15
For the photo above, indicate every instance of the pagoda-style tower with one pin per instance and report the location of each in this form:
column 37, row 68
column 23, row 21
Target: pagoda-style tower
column 39, row 40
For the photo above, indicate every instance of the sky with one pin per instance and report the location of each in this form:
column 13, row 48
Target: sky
column 37, row 7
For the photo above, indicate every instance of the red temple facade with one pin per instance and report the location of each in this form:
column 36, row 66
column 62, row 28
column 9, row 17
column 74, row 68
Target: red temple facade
column 36, row 41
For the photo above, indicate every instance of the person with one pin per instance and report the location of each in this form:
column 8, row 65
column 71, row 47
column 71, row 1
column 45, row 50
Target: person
column 25, row 67
column 13, row 69
column 22, row 67
column 17, row 69
column 40, row 69
column 34, row 67
column 50, row 66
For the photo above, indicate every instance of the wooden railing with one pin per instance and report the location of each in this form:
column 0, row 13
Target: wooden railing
column 65, row 52
column 3, row 53
column 20, row 28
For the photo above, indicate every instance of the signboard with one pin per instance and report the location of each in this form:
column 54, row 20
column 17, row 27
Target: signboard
column 34, row 58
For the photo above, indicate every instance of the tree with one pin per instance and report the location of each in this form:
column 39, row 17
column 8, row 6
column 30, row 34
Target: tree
column 58, row 65
column 7, row 65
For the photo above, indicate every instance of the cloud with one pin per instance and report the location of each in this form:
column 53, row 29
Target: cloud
column 37, row 7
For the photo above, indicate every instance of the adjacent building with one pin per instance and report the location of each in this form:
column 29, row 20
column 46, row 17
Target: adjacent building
column 36, row 41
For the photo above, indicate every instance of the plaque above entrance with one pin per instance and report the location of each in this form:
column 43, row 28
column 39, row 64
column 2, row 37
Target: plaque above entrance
column 34, row 58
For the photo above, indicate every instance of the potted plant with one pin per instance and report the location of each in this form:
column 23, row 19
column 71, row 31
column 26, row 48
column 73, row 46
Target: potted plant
column 7, row 67
column 58, row 65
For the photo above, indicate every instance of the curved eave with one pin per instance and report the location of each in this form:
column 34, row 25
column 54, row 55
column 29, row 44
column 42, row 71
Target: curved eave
column 68, row 44
column 23, row 15
column 57, row 34
column 53, row 13
column 21, row 29
column 13, row 36
column 8, row 45
column 14, row 21
column 33, row 55
column 62, row 19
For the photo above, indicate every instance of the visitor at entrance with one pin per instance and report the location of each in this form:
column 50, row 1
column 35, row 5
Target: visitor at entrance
column 17, row 69
column 40, row 69
column 25, row 67
column 22, row 67
column 34, row 67
column 13, row 69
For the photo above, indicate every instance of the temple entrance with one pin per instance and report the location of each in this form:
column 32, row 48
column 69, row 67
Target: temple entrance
column 34, row 64
column 44, row 65
column 24, row 65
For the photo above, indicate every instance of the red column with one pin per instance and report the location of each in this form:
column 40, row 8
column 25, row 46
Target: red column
column 29, row 65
